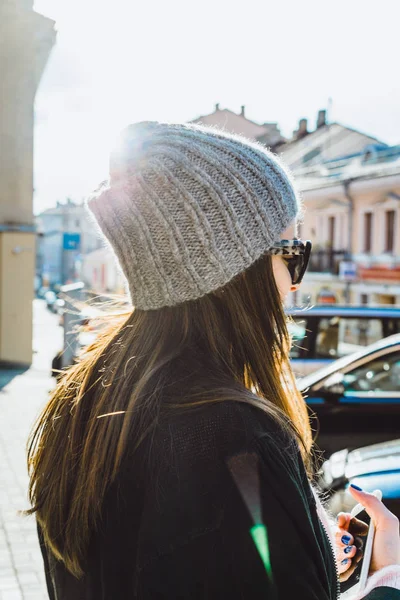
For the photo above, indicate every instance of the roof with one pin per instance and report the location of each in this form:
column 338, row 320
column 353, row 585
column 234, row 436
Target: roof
column 62, row 208
column 325, row 143
column 239, row 124
column 372, row 162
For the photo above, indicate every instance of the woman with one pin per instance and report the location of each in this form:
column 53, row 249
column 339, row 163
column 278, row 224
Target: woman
column 174, row 460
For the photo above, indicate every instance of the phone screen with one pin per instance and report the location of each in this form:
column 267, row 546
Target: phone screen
column 358, row 559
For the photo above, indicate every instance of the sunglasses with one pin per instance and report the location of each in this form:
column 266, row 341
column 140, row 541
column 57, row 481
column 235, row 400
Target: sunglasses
column 296, row 255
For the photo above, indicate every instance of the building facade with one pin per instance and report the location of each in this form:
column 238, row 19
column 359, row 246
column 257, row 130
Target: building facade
column 26, row 39
column 353, row 218
column 66, row 235
column 100, row 273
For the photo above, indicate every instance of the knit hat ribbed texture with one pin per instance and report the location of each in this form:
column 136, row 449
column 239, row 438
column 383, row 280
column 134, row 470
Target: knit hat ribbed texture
column 187, row 208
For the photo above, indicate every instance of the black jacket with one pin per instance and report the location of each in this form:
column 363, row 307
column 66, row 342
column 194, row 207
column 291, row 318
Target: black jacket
column 176, row 524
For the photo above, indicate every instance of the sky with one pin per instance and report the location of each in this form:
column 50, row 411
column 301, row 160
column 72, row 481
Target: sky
column 120, row 61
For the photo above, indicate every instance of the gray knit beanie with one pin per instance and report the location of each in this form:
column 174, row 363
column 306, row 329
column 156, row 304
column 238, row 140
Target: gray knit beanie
column 189, row 207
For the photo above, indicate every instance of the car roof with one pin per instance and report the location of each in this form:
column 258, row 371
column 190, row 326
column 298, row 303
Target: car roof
column 390, row 342
column 374, row 459
column 335, row 310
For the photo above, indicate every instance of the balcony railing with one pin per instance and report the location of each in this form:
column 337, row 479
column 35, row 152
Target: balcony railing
column 326, row 261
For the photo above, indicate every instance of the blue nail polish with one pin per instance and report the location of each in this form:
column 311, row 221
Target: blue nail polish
column 348, row 549
column 356, row 487
column 345, row 561
column 346, row 539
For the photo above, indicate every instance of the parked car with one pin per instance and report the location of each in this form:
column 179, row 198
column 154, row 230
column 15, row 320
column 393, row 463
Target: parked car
column 357, row 398
column 323, row 334
column 371, row 467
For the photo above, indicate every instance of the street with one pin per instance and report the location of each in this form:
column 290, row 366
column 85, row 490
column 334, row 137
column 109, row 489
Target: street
column 22, row 394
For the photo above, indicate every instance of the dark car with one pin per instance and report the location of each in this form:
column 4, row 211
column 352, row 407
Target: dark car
column 372, row 467
column 357, row 398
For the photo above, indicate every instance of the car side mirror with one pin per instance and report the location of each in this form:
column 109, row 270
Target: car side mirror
column 336, row 389
column 333, row 386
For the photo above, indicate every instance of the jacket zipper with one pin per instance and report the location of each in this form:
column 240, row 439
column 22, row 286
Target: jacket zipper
column 334, row 560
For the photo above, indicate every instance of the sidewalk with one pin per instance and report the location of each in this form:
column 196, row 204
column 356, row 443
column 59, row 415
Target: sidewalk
column 22, row 394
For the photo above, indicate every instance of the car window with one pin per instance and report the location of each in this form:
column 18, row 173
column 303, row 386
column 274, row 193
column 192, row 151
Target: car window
column 381, row 374
column 326, row 345
column 298, row 332
column 392, row 326
column 339, row 336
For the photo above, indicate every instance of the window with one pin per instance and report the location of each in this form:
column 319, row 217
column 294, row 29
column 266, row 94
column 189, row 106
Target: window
column 367, row 232
column 357, row 333
column 389, row 229
column 364, row 298
column 327, row 338
column 392, row 326
column 378, row 375
column 331, row 224
column 339, row 336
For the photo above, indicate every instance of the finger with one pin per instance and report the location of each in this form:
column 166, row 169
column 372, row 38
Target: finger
column 344, row 565
column 343, row 520
column 347, row 552
column 344, row 538
column 345, row 575
column 382, row 517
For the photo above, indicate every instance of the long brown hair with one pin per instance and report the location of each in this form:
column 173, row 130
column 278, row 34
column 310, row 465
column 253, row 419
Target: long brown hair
column 113, row 396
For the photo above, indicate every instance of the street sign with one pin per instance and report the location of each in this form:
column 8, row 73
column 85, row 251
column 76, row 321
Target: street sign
column 71, row 241
column 347, row 271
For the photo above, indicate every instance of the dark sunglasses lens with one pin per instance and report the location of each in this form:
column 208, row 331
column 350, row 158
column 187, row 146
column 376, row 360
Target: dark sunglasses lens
column 306, row 259
column 302, row 265
column 295, row 266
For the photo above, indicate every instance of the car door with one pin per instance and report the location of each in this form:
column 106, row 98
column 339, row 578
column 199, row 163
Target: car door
column 360, row 405
column 319, row 340
column 376, row 382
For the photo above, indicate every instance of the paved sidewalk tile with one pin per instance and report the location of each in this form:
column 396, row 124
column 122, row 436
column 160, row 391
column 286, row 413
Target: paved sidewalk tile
column 22, row 394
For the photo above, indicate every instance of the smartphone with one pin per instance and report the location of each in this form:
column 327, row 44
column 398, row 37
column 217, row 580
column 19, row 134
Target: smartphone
column 358, row 579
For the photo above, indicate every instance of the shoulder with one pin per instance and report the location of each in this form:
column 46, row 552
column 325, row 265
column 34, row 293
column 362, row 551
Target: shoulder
column 216, row 430
column 197, row 459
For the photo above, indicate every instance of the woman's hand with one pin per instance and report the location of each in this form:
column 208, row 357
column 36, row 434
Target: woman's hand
column 386, row 547
column 348, row 543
